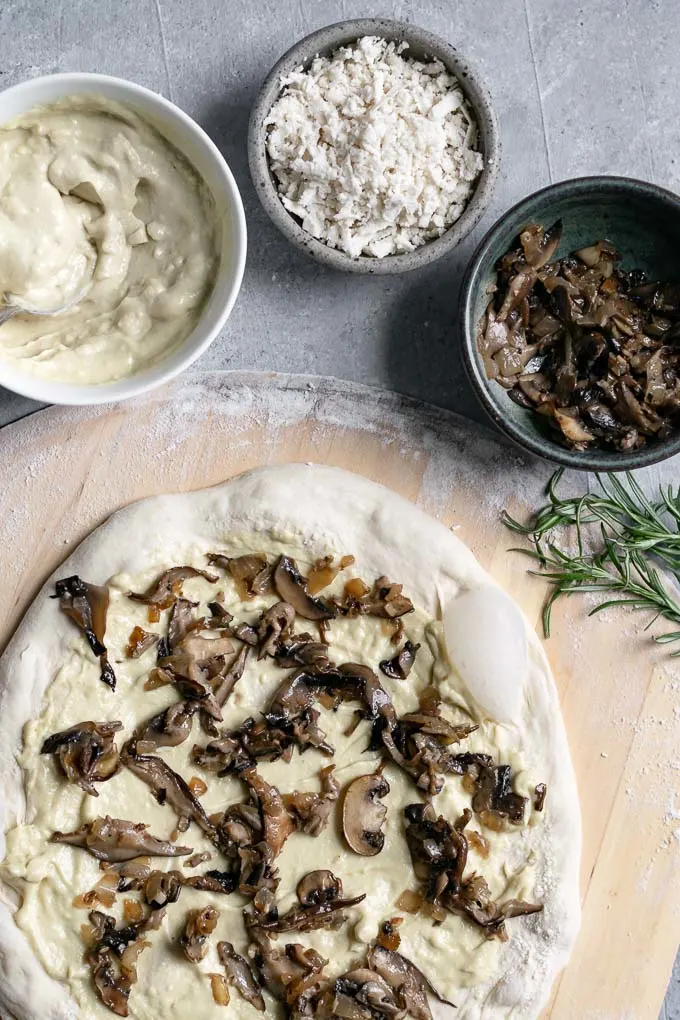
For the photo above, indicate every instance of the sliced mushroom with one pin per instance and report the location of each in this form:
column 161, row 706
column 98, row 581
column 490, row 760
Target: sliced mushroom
column 311, row 811
column 406, row 979
column 198, row 927
column 114, row 839
column 287, row 973
column 167, row 787
column 168, row 728
column 399, row 667
column 278, row 824
column 326, row 913
column 87, row 605
column 494, row 794
column 363, row 815
column 439, row 855
column 251, row 573
column 318, row 887
column 240, row 976
column 179, row 623
column 162, row 887
column 86, row 753
column 275, row 626
column 113, row 990
column 292, row 588
column 166, row 587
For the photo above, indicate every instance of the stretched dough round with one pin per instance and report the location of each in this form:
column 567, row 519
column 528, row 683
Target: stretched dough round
column 387, row 534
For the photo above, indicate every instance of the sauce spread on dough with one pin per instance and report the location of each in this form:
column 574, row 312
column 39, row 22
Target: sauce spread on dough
column 95, row 202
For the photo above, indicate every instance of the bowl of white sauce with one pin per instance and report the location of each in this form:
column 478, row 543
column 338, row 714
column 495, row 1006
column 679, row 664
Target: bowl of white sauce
column 374, row 146
column 117, row 205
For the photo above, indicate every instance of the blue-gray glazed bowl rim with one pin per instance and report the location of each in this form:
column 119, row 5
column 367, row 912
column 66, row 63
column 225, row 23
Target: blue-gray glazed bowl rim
column 537, row 443
column 325, row 40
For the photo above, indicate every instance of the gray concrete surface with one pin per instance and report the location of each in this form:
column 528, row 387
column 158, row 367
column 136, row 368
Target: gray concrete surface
column 579, row 89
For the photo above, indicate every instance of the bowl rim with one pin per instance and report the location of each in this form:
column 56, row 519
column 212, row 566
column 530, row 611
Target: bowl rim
column 69, row 394
column 477, row 95
column 597, row 460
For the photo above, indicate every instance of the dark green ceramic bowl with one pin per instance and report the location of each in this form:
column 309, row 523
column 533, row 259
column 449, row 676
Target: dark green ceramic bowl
column 643, row 221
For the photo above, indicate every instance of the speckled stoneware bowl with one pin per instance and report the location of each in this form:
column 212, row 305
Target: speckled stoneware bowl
column 643, row 221
column 420, row 44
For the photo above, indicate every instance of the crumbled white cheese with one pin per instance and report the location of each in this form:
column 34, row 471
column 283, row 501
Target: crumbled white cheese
column 373, row 151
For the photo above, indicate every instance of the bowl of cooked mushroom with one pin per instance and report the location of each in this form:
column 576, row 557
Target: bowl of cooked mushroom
column 570, row 323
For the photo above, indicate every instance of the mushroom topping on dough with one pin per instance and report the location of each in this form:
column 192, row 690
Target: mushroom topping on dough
column 114, row 840
column 275, row 625
column 112, row 956
column 199, row 926
column 277, row 823
column 179, row 624
column 301, row 650
column 86, row 753
column 494, row 795
column 321, row 906
column 406, row 980
column 138, row 642
column 292, row 588
column 167, row 787
column 311, row 811
column 385, row 599
column 87, row 605
column 240, row 976
column 318, row 887
column 286, row 973
column 223, row 684
column 363, row 814
column 168, row 728
column 439, row 854
column 162, row 888
column 251, row 573
column 165, row 589
column 399, row 667
column 419, row 744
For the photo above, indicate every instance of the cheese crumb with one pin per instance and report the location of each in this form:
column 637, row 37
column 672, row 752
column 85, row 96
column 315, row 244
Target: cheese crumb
column 375, row 153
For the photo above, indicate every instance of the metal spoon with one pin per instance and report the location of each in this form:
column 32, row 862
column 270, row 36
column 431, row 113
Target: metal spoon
column 13, row 305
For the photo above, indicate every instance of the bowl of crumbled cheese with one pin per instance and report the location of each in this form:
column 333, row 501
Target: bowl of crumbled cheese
column 374, row 146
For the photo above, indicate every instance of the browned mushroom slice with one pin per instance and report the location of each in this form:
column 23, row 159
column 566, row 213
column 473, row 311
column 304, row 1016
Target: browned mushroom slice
column 386, row 600
column 113, row 956
column 292, row 588
column 278, row 824
column 363, row 815
column 251, row 573
column 112, row 989
column 439, row 855
column 160, row 888
column 540, row 245
column 286, row 973
column 198, row 927
column 167, row 787
column 169, row 728
column 311, row 811
column 407, row 980
column 301, row 650
column 539, row 796
column 222, row 882
column 86, row 753
column 274, row 626
column 114, row 840
column 321, row 906
column 239, row 975
column 318, row 887
column 166, row 587
column 87, row 605
column 399, row 667
column 495, row 794
column 361, row 994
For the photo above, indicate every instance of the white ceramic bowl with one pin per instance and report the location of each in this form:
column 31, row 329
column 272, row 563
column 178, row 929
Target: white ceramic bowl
column 204, row 155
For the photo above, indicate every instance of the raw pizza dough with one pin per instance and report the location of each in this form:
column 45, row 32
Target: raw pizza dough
column 310, row 511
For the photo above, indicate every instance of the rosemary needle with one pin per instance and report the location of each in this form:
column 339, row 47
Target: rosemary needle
column 630, row 532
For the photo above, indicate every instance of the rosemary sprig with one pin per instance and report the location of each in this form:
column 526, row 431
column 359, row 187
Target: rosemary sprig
column 634, row 531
